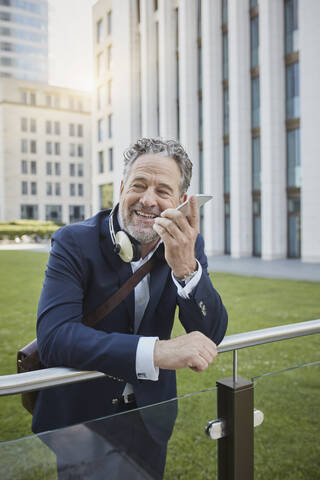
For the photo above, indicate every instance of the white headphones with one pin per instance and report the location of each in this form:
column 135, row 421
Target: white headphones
column 124, row 245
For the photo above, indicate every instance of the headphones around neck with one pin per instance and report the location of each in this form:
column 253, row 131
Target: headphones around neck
column 124, row 245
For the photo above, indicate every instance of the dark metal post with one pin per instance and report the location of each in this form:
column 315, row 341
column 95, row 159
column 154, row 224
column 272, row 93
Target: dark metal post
column 235, row 450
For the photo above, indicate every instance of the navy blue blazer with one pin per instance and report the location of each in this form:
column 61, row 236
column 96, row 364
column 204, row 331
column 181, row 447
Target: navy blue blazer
column 83, row 271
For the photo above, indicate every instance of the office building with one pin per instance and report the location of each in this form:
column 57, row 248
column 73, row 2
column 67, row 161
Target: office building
column 45, row 152
column 236, row 81
column 24, row 39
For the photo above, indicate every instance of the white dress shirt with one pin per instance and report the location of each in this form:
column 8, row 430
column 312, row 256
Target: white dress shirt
column 145, row 368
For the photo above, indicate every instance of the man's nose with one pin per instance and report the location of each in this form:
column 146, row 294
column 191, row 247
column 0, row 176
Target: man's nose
column 148, row 198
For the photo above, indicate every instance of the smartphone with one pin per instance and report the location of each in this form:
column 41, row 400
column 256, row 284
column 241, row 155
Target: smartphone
column 201, row 200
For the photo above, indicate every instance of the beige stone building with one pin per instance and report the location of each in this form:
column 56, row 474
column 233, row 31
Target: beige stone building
column 236, row 81
column 45, row 152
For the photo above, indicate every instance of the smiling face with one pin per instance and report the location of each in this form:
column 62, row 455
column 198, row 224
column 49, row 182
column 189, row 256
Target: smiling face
column 153, row 185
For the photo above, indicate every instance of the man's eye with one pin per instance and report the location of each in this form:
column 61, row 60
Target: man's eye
column 163, row 192
column 138, row 186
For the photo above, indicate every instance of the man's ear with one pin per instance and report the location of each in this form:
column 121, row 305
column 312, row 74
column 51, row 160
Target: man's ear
column 183, row 198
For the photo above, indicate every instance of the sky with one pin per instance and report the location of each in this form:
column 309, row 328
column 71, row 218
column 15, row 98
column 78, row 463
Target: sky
column 70, row 43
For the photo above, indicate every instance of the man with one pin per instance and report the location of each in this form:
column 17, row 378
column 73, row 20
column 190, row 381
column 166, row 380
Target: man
column 132, row 344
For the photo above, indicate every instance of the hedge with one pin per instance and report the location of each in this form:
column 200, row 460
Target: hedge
column 33, row 228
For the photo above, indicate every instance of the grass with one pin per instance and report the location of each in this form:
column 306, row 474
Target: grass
column 286, row 444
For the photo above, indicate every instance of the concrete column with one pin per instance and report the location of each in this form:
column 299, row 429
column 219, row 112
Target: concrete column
column 125, row 111
column 273, row 129
column 148, row 69
column 212, row 125
column 167, row 70
column 240, row 128
column 188, row 85
column 309, row 36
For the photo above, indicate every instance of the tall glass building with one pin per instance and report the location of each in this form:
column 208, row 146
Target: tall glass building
column 24, row 39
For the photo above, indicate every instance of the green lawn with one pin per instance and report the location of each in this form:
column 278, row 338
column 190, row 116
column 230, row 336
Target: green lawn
column 287, row 443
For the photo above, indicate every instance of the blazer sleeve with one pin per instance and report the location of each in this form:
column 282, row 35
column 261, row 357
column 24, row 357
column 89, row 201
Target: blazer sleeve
column 62, row 339
column 203, row 310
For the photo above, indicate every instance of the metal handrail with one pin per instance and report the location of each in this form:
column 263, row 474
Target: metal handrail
column 49, row 377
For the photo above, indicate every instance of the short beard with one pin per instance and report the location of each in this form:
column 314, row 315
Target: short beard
column 143, row 236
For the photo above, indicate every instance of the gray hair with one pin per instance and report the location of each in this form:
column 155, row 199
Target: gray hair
column 169, row 148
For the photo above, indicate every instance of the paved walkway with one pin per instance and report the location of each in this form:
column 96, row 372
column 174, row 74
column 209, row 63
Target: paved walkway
column 251, row 266
column 255, row 267
column 32, row 247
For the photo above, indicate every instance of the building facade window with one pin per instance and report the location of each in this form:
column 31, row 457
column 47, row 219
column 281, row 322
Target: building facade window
column 33, row 125
column 57, row 128
column 76, row 213
column 110, row 155
column 80, row 130
column 24, row 124
column 255, row 102
column 57, row 189
column 110, row 125
column 256, row 164
column 48, row 127
column 33, row 188
column 226, row 168
column 292, row 91
column 72, row 149
column 109, row 57
column 80, row 170
column 109, row 92
column 29, row 212
column 109, row 22
column 100, row 162
column 293, row 158
column 71, row 129
column 24, row 166
column 57, row 168
column 294, row 227
column 33, row 167
column 54, row 213
column 226, row 111
column 101, row 130
column 99, row 31
column 48, row 148
column 24, row 188
column 57, row 148
column 80, row 189
column 49, row 188
column 24, row 146
column 33, row 146
column 72, row 169
column 80, row 150
column 293, row 129
column 72, row 187
column 49, row 168
column 291, row 26
column 254, row 41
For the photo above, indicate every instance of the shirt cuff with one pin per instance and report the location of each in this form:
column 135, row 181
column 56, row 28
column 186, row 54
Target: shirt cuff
column 188, row 288
column 144, row 359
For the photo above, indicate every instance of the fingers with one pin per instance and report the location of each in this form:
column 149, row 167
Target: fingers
column 193, row 350
column 193, row 216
